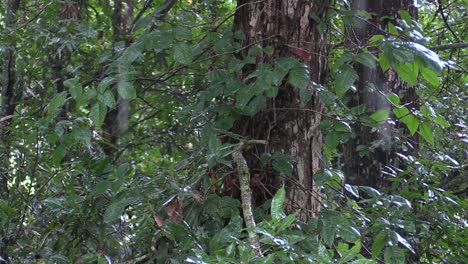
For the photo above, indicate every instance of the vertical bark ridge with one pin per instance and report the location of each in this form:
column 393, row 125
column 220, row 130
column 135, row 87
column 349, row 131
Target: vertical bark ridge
column 289, row 127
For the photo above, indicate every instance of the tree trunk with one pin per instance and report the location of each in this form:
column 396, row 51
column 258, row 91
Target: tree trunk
column 381, row 160
column 286, row 125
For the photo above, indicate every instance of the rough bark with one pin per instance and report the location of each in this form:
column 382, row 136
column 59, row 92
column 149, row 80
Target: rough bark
column 372, row 169
column 287, row 126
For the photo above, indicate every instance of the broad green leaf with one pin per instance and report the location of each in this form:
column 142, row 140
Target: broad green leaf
column 441, row 121
column 332, row 140
column 245, row 93
column 394, row 255
column 126, row 90
column 328, row 234
column 425, row 130
column 384, row 61
column 57, row 102
column 394, row 98
column 107, row 98
column 74, row 87
column 100, row 188
column 380, row 240
column 408, row 72
column 376, row 38
column 430, row 76
column 380, row 115
column 366, row 59
column 298, row 77
column 98, row 114
column 392, row 29
column 411, row 122
column 401, row 112
column 224, row 123
column 344, row 79
column 287, row 221
column 105, row 83
column 349, row 234
column 58, row 154
column 83, row 135
column 342, row 126
column 255, row 105
column 277, row 205
column 117, row 207
column 183, row 54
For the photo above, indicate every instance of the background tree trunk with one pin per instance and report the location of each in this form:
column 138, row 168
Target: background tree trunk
column 287, row 126
column 373, row 85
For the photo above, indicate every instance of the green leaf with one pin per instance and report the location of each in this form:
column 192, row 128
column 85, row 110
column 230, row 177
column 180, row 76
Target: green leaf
column 328, row 234
column 183, row 54
column 392, row 29
column 83, row 135
column 255, row 105
column 58, row 154
column 380, row 116
column 349, row 234
column 344, row 79
column 57, row 102
column 126, row 90
column 98, row 114
column 441, row 121
column 401, row 112
column 100, row 188
column 332, row 140
column 277, row 205
column 411, row 122
column 425, row 130
column 384, row 61
column 394, row 255
column 243, row 96
column 105, row 83
column 224, row 123
column 408, row 72
column 380, row 240
column 117, row 207
column 430, row 76
column 394, row 99
column 299, row 78
column 74, row 87
column 366, row 59
column 287, row 221
column 376, row 38
column 107, row 98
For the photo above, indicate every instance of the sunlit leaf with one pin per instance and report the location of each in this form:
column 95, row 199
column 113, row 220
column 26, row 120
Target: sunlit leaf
column 380, row 115
column 411, row 122
column 277, row 204
column 425, row 130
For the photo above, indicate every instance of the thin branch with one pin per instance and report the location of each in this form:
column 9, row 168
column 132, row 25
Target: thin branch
column 459, row 45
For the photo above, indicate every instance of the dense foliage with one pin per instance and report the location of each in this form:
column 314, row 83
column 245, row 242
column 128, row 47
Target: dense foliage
column 115, row 138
